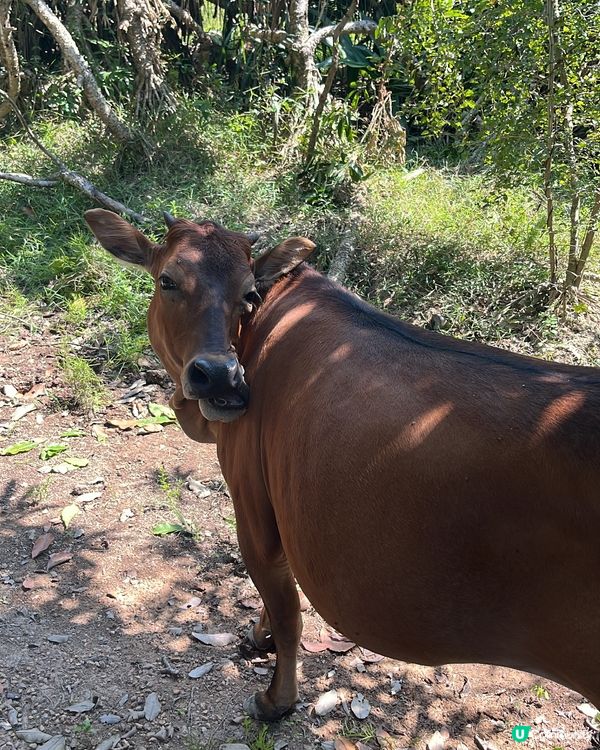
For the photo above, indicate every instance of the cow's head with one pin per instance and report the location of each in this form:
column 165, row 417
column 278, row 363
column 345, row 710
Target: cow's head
column 205, row 281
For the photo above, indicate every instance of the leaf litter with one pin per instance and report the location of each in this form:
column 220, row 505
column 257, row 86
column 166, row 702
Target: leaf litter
column 41, row 544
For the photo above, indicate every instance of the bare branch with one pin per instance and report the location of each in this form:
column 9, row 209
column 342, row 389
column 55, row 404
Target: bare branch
column 72, row 178
column 185, row 18
column 81, row 183
column 590, row 234
column 310, row 150
column 79, row 65
column 273, row 36
column 364, row 26
column 25, row 179
column 8, row 56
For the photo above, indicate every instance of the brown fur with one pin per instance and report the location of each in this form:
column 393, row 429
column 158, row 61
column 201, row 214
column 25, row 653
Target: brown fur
column 437, row 500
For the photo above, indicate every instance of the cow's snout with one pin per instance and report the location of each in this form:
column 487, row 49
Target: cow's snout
column 217, row 382
column 213, row 375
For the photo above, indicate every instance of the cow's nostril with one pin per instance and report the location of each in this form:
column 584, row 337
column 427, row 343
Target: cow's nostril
column 200, row 373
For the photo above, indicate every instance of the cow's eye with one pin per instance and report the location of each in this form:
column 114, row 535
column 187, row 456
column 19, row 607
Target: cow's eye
column 166, row 283
column 253, row 298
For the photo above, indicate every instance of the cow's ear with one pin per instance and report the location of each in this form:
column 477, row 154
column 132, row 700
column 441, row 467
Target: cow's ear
column 121, row 239
column 276, row 262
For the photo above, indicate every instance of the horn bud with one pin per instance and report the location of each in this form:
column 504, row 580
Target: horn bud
column 252, row 237
column 169, row 219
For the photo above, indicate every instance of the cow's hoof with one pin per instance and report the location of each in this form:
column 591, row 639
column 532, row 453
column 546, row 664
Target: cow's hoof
column 251, row 643
column 258, row 706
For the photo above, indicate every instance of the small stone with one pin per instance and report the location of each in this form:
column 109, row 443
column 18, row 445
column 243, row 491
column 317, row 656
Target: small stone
column 58, row 638
column 327, row 702
column 109, row 743
column 234, row 746
column 161, row 735
column 10, row 391
column 126, row 515
column 175, row 631
column 483, row 744
column 54, row 743
column 33, row 736
column 261, row 671
column 13, row 717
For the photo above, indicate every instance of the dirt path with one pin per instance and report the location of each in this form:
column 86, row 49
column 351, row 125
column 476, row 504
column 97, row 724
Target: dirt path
column 86, row 643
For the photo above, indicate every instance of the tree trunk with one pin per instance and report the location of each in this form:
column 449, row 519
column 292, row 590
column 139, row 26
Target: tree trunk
column 79, row 65
column 142, row 22
column 550, row 141
column 8, row 58
column 304, row 71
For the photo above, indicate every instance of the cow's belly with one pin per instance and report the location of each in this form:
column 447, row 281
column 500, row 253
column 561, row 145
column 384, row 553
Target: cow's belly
column 460, row 575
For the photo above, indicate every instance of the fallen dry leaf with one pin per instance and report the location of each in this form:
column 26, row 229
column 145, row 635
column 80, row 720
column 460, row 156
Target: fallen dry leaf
column 37, row 390
column 343, row 743
column 313, row 647
column 437, row 740
column 332, row 641
column 68, row 513
column 385, row 740
column 201, row 671
column 99, row 434
column 360, row 706
column 58, row 558
column 82, row 707
column 147, row 429
column 21, row 411
column 370, row 657
column 122, row 424
column 152, row 707
column 250, row 603
column 41, row 544
column 215, row 639
column 195, row 601
column 33, row 582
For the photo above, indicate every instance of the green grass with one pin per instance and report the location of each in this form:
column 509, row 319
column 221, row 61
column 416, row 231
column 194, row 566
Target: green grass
column 257, row 736
column 445, row 243
column 86, row 387
column 441, row 242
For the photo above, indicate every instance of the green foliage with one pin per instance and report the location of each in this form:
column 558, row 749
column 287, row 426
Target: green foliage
column 540, row 692
column 172, row 492
column 24, row 446
column 257, row 736
column 52, row 450
column 87, row 389
column 449, row 244
column 358, row 731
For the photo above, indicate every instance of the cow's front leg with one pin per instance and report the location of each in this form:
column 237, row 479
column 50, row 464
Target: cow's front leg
column 270, row 571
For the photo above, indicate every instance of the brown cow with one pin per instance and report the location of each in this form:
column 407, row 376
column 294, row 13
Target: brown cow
column 437, row 500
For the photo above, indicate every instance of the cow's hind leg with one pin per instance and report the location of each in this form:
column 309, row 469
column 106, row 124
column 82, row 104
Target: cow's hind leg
column 259, row 636
column 270, row 571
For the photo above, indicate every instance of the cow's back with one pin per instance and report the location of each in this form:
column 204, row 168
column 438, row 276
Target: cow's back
column 436, row 500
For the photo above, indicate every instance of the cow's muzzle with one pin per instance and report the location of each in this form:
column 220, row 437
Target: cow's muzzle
column 217, row 382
